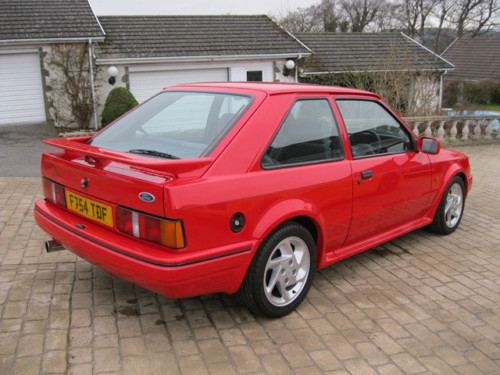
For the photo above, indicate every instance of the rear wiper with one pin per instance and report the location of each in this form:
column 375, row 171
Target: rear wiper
column 153, row 153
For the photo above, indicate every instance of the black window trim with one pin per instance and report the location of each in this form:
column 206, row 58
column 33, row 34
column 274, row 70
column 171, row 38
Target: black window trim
column 411, row 136
column 314, row 162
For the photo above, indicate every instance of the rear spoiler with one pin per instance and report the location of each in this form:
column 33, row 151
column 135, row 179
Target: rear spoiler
column 176, row 167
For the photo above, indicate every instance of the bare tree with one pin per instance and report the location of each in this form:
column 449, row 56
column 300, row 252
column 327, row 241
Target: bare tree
column 327, row 12
column 441, row 14
column 435, row 23
column 299, row 21
column 415, row 16
column 473, row 16
column 388, row 17
column 361, row 12
column 324, row 16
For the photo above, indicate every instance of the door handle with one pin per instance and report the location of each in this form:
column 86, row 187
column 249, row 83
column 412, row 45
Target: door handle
column 366, row 174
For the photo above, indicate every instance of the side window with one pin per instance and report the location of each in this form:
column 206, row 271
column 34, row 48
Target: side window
column 308, row 134
column 372, row 129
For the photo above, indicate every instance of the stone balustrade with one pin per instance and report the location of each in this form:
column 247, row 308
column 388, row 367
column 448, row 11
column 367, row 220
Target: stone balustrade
column 461, row 128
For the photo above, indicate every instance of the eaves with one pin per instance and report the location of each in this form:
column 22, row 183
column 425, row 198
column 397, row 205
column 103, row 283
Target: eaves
column 376, row 71
column 211, row 58
column 44, row 41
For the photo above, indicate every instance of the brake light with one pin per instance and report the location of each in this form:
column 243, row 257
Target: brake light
column 150, row 228
column 54, row 192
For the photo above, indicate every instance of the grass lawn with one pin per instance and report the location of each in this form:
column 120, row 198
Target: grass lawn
column 487, row 107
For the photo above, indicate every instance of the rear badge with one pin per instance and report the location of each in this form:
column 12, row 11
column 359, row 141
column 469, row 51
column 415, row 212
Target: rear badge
column 146, row 197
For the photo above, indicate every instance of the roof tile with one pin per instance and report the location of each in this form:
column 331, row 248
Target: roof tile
column 341, row 52
column 47, row 19
column 188, row 36
column 474, row 59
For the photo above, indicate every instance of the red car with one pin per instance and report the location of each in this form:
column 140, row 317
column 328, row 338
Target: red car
column 246, row 188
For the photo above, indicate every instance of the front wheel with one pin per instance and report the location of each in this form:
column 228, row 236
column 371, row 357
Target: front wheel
column 281, row 272
column 451, row 208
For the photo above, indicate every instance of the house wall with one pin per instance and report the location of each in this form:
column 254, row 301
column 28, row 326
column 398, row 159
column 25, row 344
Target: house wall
column 57, row 100
column 69, row 93
column 425, row 96
column 58, row 105
column 54, row 96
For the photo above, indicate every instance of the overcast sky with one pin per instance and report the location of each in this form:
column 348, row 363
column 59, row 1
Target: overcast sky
column 197, row 7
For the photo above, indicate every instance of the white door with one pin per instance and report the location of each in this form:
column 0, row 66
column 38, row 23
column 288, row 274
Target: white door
column 147, row 83
column 21, row 93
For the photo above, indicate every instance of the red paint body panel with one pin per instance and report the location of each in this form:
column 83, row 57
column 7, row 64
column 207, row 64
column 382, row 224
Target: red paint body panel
column 147, row 265
column 346, row 214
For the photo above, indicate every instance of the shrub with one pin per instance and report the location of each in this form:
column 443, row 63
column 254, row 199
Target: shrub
column 460, row 93
column 496, row 96
column 452, row 94
column 119, row 101
column 480, row 92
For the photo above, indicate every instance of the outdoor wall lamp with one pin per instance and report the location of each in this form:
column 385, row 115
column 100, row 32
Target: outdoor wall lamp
column 289, row 66
column 113, row 72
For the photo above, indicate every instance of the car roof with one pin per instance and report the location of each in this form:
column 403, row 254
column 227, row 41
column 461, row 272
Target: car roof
column 273, row 88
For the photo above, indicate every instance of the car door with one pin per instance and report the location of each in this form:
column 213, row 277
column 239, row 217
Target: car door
column 307, row 156
column 391, row 180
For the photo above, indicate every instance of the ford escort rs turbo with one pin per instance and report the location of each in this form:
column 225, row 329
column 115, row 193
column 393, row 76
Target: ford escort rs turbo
column 246, row 188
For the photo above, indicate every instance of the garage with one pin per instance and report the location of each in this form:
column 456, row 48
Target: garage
column 21, row 92
column 144, row 84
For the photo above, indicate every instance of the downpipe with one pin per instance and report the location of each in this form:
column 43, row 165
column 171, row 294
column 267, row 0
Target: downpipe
column 53, row 245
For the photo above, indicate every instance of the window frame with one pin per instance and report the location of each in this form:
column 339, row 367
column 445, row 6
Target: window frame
column 312, row 162
column 411, row 137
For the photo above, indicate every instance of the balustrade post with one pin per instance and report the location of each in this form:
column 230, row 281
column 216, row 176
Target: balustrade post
column 477, row 130
column 428, row 128
column 440, row 132
column 489, row 129
column 454, row 131
column 465, row 131
column 415, row 128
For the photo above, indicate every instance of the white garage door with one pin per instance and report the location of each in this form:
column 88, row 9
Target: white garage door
column 145, row 84
column 21, row 94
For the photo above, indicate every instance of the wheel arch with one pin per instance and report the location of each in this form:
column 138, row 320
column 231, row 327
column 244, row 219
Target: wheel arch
column 456, row 171
column 294, row 211
column 464, row 178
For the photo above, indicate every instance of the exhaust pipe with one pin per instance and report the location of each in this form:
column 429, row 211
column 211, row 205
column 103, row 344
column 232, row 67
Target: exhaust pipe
column 53, row 245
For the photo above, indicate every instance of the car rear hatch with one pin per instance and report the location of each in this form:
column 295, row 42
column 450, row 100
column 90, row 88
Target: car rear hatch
column 97, row 180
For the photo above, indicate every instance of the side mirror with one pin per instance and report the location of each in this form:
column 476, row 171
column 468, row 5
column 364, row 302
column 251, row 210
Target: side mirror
column 429, row 145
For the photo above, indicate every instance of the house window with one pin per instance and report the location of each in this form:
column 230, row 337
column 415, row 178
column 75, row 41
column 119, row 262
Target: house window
column 254, row 75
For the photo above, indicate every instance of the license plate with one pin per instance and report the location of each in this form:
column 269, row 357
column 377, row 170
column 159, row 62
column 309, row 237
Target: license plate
column 88, row 208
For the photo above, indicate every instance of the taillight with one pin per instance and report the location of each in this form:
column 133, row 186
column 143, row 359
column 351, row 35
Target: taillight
column 150, row 228
column 53, row 192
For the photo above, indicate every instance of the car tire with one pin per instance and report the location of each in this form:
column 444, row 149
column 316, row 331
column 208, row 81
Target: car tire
column 281, row 272
column 451, row 208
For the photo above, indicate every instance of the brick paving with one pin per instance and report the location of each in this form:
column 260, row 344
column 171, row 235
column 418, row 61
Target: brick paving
column 421, row 304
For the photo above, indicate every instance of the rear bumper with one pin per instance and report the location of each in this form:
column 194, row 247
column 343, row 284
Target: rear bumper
column 175, row 274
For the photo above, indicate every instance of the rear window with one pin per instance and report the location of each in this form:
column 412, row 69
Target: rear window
column 175, row 124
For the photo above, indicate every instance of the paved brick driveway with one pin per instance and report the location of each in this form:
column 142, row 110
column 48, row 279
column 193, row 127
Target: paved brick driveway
column 421, row 304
